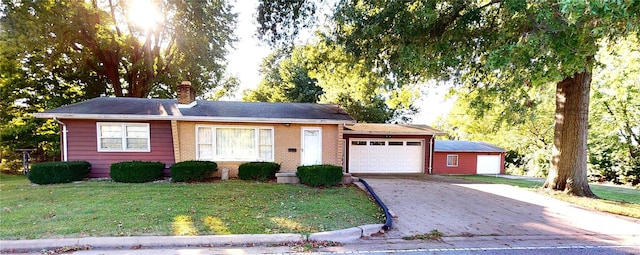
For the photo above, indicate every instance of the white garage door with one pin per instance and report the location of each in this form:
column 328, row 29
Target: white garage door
column 488, row 164
column 386, row 156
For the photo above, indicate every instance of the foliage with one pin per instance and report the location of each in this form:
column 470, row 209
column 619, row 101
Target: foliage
column 279, row 21
column 259, row 171
column 320, row 175
column 59, row 172
column 614, row 136
column 434, row 235
column 56, row 53
column 323, row 72
column 103, row 208
column 136, row 171
column 192, row 170
column 104, row 48
column 500, row 50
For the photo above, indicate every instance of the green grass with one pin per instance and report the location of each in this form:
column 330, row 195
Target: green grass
column 617, row 200
column 101, row 208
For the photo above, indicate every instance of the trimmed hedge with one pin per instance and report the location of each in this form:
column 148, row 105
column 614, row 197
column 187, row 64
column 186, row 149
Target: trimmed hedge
column 259, row 171
column 136, row 171
column 320, row 175
column 192, row 170
column 59, row 172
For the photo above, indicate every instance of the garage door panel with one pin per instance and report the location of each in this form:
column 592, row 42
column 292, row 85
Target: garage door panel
column 386, row 156
column 488, row 164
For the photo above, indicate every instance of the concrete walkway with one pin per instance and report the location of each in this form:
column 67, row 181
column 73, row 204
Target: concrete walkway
column 459, row 208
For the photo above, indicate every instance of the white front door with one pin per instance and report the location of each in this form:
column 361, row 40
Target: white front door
column 311, row 146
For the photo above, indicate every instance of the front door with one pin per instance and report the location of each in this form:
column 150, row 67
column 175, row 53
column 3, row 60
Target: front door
column 311, row 146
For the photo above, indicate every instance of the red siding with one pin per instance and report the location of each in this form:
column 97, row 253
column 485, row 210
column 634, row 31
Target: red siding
column 467, row 162
column 82, row 145
column 426, row 138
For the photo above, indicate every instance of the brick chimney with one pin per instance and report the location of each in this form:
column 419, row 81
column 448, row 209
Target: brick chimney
column 186, row 94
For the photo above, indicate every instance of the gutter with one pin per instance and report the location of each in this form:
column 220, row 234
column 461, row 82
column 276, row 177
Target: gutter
column 125, row 117
column 64, row 138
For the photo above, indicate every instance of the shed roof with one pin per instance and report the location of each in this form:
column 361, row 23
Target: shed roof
column 390, row 129
column 169, row 109
column 465, row 146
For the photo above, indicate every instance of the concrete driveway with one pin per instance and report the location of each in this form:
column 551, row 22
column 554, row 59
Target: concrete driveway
column 460, row 208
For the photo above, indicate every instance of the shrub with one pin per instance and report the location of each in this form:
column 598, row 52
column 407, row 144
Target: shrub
column 259, row 171
column 192, row 170
column 320, row 175
column 59, row 172
column 136, row 171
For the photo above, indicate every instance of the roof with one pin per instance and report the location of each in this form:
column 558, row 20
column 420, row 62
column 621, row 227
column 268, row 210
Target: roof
column 465, row 146
column 124, row 108
column 390, row 129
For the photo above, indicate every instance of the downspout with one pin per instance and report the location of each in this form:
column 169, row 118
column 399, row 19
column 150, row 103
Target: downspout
column 387, row 214
column 64, row 138
column 431, row 148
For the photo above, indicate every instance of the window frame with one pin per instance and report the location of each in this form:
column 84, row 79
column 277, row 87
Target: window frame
column 123, row 129
column 457, row 159
column 244, row 158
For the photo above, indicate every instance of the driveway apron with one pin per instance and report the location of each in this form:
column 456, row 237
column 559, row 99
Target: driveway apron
column 458, row 208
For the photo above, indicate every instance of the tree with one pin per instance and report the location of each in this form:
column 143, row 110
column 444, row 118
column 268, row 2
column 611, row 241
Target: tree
column 120, row 48
column 323, row 72
column 496, row 48
column 54, row 53
column 614, row 133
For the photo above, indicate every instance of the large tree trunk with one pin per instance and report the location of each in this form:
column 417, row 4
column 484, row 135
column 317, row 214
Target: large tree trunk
column 568, row 171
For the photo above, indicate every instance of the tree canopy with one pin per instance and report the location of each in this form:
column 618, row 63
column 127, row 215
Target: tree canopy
column 498, row 50
column 323, row 72
column 54, row 53
column 122, row 48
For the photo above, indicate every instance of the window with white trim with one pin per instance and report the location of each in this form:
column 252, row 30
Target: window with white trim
column 452, row 160
column 234, row 143
column 123, row 137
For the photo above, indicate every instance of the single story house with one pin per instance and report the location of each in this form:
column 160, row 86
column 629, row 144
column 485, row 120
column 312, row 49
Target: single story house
column 107, row 130
column 467, row 157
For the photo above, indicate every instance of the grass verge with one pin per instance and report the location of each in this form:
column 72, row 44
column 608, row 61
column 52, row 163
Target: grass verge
column 101, row 208
column 617, row 200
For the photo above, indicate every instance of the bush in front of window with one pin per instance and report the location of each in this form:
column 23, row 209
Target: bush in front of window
column 320, row 175
column 258, row 171
column 59, row 172
column 136, row 171
column 193, row 170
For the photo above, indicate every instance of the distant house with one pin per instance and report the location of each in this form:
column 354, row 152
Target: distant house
column 467, row 157
column 107, row 130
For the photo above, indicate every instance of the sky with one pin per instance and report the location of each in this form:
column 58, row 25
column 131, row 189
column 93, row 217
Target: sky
column 245, row 59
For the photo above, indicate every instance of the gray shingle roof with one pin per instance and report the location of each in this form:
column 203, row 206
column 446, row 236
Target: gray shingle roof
column 465, row 146
column 145, row 108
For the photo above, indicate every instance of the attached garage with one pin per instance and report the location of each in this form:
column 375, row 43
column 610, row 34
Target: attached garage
column 467, row 157
column 388, row 148
column 386, row 155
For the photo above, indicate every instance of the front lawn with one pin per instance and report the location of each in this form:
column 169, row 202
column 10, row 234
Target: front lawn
column 618, row 200
column 102, row 208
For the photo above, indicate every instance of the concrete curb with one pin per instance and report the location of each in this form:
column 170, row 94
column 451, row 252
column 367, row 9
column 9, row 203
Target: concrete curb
column 347, row 235
column 344, row 235
column 149, row 241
